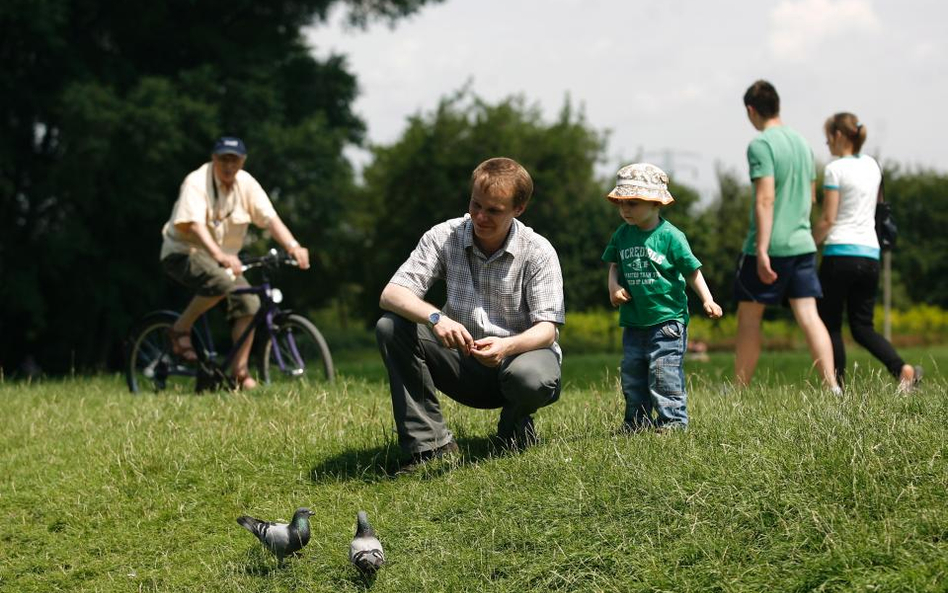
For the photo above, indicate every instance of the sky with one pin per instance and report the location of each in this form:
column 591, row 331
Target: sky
column 666, row 78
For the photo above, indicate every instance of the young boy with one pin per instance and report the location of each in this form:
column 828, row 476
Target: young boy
column 649, row 260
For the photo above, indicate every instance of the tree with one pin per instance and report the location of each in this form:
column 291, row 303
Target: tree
column 105, row 106
column 717, row 235
column 920, row 259
column 424, row 178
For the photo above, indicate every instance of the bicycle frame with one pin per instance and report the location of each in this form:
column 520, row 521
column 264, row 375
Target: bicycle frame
column 263, row 318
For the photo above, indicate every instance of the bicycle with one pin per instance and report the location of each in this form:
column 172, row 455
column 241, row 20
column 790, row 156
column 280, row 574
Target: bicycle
column 292, row 348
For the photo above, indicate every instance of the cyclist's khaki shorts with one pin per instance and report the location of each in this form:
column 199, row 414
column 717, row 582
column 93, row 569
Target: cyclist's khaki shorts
column 201, row 274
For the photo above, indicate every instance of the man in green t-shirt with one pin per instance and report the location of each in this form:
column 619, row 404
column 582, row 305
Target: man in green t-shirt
column 778, row 261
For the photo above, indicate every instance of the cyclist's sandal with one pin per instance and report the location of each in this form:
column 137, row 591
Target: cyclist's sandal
column 181, row 344
column 243, row 381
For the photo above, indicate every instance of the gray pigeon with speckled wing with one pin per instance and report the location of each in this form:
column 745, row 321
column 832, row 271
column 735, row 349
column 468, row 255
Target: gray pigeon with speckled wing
column 282, row 539
column 365, row 551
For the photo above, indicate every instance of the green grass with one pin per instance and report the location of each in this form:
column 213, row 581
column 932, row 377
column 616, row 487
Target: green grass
column 780, row 487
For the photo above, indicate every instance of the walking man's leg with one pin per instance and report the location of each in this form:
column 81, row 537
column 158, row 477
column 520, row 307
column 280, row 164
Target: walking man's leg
column 747, row 350
column 817, row 338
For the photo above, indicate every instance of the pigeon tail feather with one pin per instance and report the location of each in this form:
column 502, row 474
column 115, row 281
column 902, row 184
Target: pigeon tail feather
column 368, row 561
column 363, row 529
column 254, row 526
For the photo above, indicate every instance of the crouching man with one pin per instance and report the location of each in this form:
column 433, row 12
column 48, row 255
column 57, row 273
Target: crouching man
column 493, row 343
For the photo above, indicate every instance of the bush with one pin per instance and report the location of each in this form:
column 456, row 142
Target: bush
column 921, row 324
column 591, row 331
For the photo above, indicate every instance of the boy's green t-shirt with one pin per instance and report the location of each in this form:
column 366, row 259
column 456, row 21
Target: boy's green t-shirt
column 783, row 154
column 652, row 267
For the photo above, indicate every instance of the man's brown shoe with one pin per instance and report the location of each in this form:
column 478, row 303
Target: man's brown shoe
column 419, row 459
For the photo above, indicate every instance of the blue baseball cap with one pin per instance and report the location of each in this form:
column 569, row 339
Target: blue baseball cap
column 230, row 145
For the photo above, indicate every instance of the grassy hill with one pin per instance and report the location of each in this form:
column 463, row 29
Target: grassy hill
column 781, row 487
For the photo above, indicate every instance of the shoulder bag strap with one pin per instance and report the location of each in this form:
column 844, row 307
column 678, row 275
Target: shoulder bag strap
column 881, row 196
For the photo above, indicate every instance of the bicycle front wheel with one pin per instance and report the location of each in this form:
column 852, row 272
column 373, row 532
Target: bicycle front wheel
column 295, row 352
column 151, row 365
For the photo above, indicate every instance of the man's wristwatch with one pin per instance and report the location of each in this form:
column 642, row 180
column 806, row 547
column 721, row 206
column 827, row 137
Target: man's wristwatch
column 434, row 318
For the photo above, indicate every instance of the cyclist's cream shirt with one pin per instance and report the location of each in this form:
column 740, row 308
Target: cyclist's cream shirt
column 226, row 217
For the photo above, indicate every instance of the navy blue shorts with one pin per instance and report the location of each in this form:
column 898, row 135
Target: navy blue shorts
column 797, row 278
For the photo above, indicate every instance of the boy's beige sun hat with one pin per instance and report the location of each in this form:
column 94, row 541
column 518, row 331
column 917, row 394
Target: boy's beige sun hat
column 641, row 181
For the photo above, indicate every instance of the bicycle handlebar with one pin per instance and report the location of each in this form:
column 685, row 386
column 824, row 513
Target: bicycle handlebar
column 273, row 259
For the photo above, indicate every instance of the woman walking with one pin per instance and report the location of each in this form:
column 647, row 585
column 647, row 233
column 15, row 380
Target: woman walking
column 849, row 272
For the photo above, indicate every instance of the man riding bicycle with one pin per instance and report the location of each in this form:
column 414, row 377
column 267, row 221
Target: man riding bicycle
column 208, row 224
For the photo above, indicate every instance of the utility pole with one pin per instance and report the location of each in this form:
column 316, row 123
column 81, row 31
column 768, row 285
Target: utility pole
column 887, row 295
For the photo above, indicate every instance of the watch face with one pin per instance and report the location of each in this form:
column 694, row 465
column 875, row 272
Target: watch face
column 434, row 318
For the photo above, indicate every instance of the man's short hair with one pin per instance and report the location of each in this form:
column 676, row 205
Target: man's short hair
column 763, row 97
column 507, row 175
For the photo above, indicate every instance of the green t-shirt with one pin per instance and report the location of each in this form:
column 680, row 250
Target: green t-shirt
column 783, row 154
column 652, row 267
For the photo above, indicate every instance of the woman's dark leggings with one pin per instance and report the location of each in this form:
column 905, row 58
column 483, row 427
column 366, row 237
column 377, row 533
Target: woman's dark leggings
column 852, row 282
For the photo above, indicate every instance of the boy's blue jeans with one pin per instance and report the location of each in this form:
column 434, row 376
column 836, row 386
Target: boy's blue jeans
column 653, row 375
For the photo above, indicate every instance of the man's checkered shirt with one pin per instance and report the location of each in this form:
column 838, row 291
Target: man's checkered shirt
column 503, row 295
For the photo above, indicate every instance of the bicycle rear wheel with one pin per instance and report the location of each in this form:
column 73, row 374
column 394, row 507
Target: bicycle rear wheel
column 151, row 364
column 297, row 352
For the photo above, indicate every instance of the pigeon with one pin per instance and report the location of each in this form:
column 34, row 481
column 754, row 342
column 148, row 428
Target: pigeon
column 281, row 538
column 365, row 551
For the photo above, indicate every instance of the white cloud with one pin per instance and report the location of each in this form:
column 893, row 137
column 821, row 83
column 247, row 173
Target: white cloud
column 926, row 50
column 673, row 81
column 800, row 26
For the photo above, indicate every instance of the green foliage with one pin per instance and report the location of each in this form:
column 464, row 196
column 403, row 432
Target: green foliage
column 596, row 330
column 424, row 178
column 718, row 236
column 921, row 324
column 777, row 488
column 920, row 207
column 106, row 106
column 683, row 213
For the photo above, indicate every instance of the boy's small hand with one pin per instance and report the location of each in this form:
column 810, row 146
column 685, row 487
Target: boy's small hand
column 713, row 310
column 620, row 297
